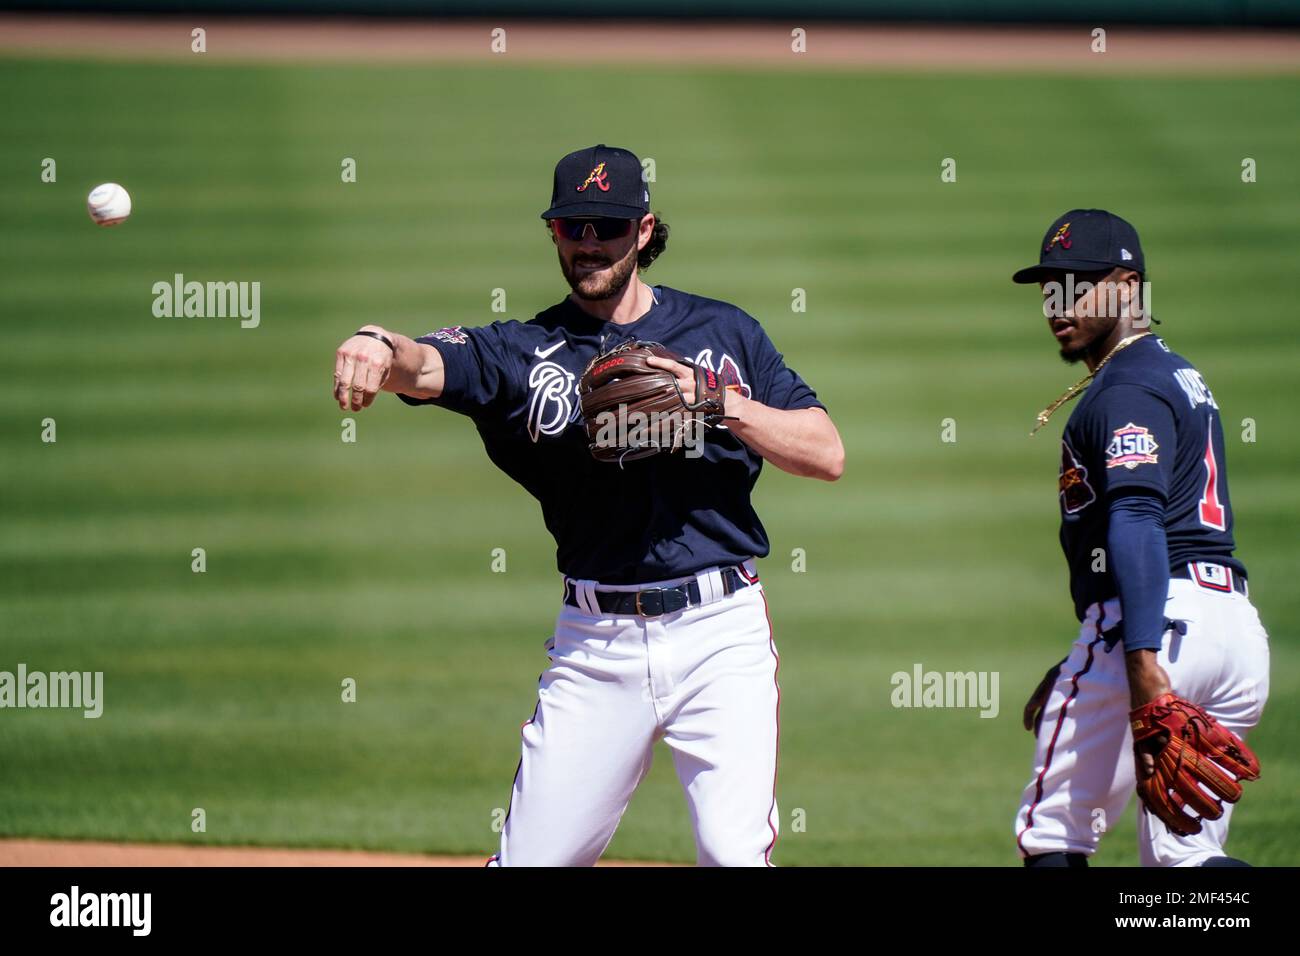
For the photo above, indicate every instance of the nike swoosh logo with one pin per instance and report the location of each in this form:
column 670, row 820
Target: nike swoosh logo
column 547, row 354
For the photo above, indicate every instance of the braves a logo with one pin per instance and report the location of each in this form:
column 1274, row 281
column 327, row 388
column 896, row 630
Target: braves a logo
column 726, row 369
column 1062, row 236
column 1076, row 493
column 597, row 176
column 552, row 393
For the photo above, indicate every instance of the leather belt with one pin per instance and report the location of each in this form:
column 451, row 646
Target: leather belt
column 1213, row 577
column 653, row 602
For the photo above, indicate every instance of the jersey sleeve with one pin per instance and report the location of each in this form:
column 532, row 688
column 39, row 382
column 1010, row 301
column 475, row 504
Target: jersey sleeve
column 777, row 385
column 1135, row 434
column 479, row 369
column 1139, row 555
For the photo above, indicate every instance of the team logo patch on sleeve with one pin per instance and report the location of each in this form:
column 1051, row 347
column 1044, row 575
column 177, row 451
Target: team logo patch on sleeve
column 454, row 334
column 1131, row 446
column 1076, row 493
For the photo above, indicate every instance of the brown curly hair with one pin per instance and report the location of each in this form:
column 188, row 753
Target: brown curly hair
column 655, row 247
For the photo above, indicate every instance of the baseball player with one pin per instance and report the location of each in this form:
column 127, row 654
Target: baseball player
column 663, row 629
column 1168, row 630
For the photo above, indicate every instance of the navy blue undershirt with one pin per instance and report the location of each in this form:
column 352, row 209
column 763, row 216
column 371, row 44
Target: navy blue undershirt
column 1139, row 563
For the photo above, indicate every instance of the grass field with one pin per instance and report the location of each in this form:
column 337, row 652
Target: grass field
column 371, row 560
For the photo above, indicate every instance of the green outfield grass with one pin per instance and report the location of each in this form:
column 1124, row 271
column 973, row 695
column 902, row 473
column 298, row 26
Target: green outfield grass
column 372, row 560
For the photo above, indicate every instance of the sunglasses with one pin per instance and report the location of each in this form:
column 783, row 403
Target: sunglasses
column 605, row 229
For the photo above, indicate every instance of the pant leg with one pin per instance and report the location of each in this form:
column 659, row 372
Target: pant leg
column 586, row 748
column 1083, row 775
column 1220, row 663
column 721, row 723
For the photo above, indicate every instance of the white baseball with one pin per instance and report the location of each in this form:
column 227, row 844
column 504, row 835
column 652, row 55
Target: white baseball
column 108, row 204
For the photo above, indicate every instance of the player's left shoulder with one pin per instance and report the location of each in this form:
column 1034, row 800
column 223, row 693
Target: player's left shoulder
column 1178, row 380
column 722, row 324
column 1151, row 366
column 716, row 335
column 1151, row 397
column 703, row 306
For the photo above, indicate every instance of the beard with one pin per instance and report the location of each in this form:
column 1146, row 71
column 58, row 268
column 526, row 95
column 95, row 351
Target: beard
column 1098, row 330
column 607, row 282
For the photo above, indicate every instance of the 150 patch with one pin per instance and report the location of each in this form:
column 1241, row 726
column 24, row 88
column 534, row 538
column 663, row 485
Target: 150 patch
column 1131, row 446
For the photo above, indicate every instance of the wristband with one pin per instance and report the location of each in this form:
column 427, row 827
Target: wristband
column 375, row 335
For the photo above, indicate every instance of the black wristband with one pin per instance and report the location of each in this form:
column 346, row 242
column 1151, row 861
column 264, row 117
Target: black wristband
column 375, row 335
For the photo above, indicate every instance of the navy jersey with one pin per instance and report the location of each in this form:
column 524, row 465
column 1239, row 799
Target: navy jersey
column 659, row 517
column 1148, row 421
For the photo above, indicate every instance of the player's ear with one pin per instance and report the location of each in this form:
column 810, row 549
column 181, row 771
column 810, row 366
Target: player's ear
column 645, row 231
column 1128, row 286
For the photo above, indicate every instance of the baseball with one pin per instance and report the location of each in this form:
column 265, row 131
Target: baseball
column 108, row 204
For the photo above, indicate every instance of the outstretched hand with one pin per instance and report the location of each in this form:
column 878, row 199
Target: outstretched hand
column 361, row 366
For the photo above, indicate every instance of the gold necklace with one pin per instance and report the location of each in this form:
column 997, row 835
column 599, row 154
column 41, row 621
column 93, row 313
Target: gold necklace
column 1080, row 385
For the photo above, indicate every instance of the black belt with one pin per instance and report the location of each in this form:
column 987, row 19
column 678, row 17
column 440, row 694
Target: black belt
column 652, row 602
column 1214, row 577
column 1205, row 574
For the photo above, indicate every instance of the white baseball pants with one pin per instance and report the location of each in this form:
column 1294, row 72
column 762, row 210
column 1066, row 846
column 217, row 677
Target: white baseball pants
column 703, row 678
column 1083, row 763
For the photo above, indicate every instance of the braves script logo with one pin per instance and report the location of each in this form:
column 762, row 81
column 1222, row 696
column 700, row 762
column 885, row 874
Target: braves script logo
column 1062, row 236
column 726, row 369
column 551, row 405
column 1076, row 493
column 1131, row 446
column 597, row 176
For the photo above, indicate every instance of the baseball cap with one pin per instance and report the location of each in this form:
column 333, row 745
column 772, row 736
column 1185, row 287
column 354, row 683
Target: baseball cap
column 599, row 181
column 1086, row 240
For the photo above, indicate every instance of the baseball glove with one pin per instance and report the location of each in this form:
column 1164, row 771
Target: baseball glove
column 1192, row 751
column 633, row 410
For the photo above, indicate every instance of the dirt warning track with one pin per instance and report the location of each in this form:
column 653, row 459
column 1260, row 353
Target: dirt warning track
column 842, row 46
column 89, row 853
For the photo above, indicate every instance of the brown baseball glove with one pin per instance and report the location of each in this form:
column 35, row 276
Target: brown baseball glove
column 633, row 410
column 1192, row 751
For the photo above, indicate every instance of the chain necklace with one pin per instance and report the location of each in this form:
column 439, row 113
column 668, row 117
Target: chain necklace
column 1080, row 385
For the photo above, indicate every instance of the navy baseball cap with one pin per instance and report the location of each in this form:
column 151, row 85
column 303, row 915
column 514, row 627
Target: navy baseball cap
column 599, row 181
column 1086, row 240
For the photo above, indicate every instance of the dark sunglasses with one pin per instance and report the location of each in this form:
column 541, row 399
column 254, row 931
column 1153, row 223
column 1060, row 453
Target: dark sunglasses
column 605, row 229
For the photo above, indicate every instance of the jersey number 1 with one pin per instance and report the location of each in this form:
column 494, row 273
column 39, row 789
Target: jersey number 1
column 1211, row 510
